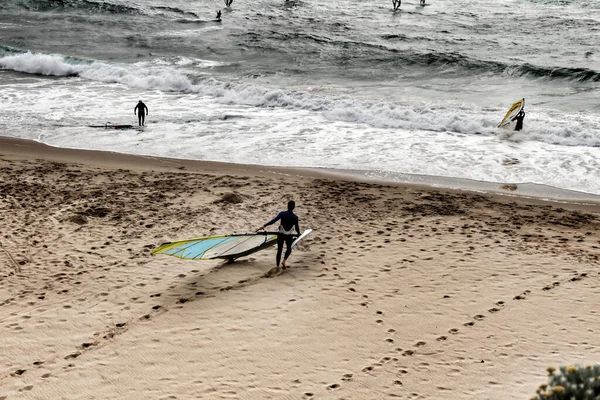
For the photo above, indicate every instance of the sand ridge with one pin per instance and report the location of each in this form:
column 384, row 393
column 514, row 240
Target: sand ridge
column 401, row 291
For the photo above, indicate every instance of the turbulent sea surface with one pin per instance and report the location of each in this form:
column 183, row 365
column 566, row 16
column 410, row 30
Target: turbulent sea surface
column 341, row 84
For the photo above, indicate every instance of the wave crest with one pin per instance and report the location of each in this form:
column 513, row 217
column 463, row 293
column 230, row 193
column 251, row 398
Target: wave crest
column 86, row 5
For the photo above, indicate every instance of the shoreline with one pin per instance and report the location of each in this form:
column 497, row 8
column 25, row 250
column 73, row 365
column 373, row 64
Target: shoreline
column 524, row 191
column 527, row 190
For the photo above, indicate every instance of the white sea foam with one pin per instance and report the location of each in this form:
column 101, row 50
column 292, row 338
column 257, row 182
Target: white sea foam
column 178, row 73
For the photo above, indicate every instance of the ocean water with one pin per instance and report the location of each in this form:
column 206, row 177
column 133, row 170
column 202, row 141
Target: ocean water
column 340, row 84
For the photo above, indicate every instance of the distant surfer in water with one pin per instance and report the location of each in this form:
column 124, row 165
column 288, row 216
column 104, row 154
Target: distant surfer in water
column 519, row 118
column 289, row 222
column 142, row 111
column 422, row 2
column 219, row 16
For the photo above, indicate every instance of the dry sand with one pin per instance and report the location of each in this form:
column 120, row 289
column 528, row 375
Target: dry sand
column 401, row 292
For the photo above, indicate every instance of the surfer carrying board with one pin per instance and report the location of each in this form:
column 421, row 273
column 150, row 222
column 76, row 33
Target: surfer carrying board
column 289, row 222
column 142, row 111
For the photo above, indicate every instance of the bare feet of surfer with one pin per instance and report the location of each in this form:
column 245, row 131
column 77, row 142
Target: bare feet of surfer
column 283, row 265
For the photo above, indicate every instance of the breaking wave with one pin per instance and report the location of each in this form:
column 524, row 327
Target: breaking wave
column 185, row 75
column 85, row 5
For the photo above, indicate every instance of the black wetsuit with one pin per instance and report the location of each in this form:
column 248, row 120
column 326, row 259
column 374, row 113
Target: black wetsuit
column 289, row 221
column 520, row 117
column 142, row 111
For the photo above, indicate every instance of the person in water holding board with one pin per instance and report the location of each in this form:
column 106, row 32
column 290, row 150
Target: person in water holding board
column 519, row 118
column 142, row 111
column 289, row 222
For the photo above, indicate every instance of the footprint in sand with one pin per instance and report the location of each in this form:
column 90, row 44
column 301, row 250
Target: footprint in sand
column 441, row 338
column 453, row 331
column 272, row 272
column 549, row 287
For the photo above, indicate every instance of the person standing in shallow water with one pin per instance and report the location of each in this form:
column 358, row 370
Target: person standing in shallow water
column 142, row 111
column 289, row 222
column 520, row 117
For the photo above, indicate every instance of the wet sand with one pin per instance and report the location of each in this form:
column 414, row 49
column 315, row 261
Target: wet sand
column 402, row 291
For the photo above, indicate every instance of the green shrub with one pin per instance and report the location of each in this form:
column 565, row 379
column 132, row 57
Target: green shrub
column 571, row 383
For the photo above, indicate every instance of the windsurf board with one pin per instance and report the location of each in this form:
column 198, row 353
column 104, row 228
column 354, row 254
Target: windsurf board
column 512, row 113
column 113, row 126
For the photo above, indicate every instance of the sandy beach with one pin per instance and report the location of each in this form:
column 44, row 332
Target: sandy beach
column 401, row 291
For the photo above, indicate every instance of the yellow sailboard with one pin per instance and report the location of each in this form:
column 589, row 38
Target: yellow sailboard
column 512, row 113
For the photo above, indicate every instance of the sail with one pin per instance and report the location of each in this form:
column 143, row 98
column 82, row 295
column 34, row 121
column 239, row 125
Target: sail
column 211, row 247
column 512, row 113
